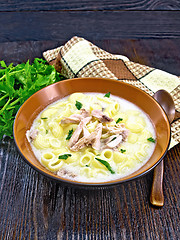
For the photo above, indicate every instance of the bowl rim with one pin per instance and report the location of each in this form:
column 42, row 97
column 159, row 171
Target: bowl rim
column 69, row 182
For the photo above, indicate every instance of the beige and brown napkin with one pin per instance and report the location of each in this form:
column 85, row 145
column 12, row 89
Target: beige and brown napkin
column 80, row 58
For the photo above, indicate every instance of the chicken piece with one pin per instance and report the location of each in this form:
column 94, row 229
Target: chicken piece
column 114, row 143
column 118, row 129
column 109, row 139
column 97, row 144
column 32, row 134
column 86, row 133
column 78, row 131
column 101, row 116
column 66, row 173
column 84, row 113
column 94, row 137
column 76, row 118
column 80, row 144
column 120, row 134
column 125, row 134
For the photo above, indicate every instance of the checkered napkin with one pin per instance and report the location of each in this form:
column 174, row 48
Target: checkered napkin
column 80, row 58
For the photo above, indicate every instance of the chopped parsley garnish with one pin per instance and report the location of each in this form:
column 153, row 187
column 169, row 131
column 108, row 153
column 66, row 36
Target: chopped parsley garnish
column 119, row 120
column 106, row 164
column 107, row 95
column 69, row 134
column 87, row 165
column 44, row 118
column 64, row 156
column 46, row 131
column 78, row 105
column 122, row 150
column 151, row 139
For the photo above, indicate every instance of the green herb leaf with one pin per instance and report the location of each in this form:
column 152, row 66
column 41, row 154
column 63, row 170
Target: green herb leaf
column 64, row 156
column 106, row 164
column 107, row 95
column 119, row 120
column 69, row 134
column 113, row 139
column 122, row 150
column 78, row 105
column 46, row 131
column 3, row 64
column 151, row 139
column 87, row 165
column 44, row 118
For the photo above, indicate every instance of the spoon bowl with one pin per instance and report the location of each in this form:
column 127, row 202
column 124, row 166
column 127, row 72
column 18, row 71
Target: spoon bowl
column 167, row 103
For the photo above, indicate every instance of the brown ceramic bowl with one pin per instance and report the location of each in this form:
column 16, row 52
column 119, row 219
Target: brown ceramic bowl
column 38, row 101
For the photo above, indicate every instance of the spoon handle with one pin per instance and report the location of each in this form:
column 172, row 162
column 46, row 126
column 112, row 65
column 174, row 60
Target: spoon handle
column 157, row 197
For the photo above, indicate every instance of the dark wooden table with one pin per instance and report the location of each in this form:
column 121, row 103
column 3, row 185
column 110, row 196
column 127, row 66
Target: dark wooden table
column 34, row 207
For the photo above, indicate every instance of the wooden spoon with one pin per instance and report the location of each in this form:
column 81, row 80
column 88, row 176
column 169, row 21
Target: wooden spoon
column 157, row 196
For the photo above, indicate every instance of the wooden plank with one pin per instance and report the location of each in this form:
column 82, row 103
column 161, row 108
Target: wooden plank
column 34, row 207
column 61, row 26
column 41, row 5
column 163, row 54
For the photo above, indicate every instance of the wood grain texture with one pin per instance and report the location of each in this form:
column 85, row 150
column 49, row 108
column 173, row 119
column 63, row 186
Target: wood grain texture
column 34, row 207
column 93, row 25
column 163, row 54
column 85, row 5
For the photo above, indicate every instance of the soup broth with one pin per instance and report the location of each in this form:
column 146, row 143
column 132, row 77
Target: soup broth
column 92, row 137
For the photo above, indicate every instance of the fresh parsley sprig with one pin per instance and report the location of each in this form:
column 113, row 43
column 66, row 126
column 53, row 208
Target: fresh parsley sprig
column 106, row 164
column 17, row 84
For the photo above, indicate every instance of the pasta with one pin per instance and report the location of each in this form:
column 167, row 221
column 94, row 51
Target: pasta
column 90, row 137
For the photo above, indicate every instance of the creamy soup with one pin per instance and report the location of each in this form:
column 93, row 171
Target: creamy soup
column 91, row 137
